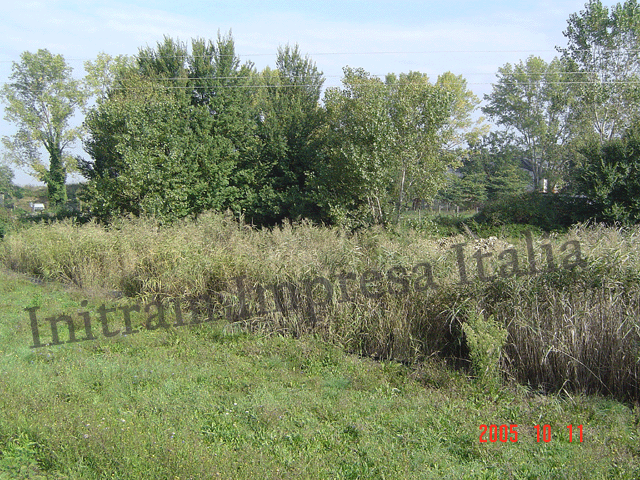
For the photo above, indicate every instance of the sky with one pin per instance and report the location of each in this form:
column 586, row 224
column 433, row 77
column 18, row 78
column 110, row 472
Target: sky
column 468, row 38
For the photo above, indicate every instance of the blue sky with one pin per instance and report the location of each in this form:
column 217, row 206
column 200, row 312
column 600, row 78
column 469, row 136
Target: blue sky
column 469, row 38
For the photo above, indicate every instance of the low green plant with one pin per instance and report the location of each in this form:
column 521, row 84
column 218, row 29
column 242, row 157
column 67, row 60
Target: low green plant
column 485, row 339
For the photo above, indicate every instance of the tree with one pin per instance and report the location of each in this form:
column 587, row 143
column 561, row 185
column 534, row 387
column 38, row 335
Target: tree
column 465, row 186
column 418, row 112
column 288, row 102
column 603, row 53
column 490, row 169
column 168, row 137
column 152, row 154
column 167, row 61
column 504, row 173
column 226, row 88
column 530, row 100
column 6, row 180
column 103, row 72
column 461, row 130
column 610, row 177
column 383, row 142
column 41, row 99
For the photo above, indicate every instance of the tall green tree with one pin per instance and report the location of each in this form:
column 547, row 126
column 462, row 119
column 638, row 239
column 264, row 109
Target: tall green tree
column 41, row 98
column 531, row 101
column 152, row 153
column 289, row 117
column 418, row 112
column 169, row 138
column 603, row 52
column 610, row 177
column 226, row 88
column 383, row 142
column 357, row 172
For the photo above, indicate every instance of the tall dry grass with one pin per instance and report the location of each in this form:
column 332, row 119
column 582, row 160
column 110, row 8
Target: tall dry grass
column 573, row 328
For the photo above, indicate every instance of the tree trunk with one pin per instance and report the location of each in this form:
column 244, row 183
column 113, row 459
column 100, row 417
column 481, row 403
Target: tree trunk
column 56, row 179
column 400, row 196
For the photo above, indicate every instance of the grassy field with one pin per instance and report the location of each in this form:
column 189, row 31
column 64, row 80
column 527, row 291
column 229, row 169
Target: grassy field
column 368, row 391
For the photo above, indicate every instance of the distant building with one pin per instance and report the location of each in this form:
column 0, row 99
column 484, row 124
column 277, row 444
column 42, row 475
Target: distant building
column 36, row 207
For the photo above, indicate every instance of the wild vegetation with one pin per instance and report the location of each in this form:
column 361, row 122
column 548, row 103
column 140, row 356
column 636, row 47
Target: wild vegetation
column 239, row 290
column 568, row 304
column 393, row 385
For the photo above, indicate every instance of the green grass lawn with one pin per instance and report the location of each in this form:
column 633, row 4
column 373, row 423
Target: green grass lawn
column 210, row 401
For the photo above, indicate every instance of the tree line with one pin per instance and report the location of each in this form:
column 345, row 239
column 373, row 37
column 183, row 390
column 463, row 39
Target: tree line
column 180, row 129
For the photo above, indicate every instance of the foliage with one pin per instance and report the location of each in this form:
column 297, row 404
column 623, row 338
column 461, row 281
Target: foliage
column 237, row 139
column 546, row 211
column 461, row 130
column 5, row 222
column 383, row 142
column 41, row 98
column 171, row 136
column 280, row 154
column 465, row 188
column 153, row 154
column 486, row 339
column 610, row 177
column 103, row 73
column 489, row 169
column 530, row 99
column 603, row 56
column 6, row 180
column 288, row 150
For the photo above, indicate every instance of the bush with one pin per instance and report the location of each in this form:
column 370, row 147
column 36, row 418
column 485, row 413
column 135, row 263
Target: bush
column 549, row 212
column 610, row 177
column 5, row 222
column 485, row 339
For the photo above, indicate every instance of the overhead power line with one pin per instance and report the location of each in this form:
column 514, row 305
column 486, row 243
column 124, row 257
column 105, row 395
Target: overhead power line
column 419, row 52
column 187, row 55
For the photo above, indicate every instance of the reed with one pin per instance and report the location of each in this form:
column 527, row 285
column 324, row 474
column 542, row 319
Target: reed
column 571, row 322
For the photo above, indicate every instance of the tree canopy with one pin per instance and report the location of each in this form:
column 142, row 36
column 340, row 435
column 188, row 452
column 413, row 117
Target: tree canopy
column 383, row 142
column 602, row 55
column 530, row 100
column 157, row 143
column 41, row 98
column 181, row 128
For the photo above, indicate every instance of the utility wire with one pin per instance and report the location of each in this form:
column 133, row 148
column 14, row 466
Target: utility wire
column 186, row 55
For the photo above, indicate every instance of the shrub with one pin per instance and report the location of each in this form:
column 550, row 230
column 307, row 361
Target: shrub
column 610, row 176
column 549, row 212
column 485, row 339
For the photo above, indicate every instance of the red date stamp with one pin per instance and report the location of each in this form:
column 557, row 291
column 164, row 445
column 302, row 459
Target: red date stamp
column 509, row 433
